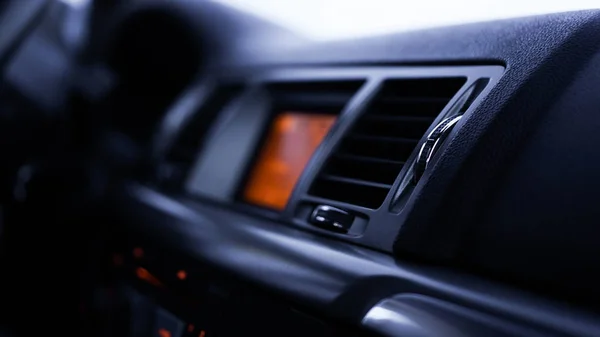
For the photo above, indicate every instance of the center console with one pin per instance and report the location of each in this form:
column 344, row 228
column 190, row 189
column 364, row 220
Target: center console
column 152, row 292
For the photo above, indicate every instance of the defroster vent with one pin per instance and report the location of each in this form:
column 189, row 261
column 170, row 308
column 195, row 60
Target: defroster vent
column 362, row 170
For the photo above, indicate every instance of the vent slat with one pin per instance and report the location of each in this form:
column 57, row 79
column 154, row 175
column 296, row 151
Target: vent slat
column 378, row 148
column 349, row 157
column 376, row 170
column 367, row 196
column 381, row 139
column 412, row 130
column 369, row 158
column 374, row 117
column 397, row 100
column 352, row 181
column 415, row 109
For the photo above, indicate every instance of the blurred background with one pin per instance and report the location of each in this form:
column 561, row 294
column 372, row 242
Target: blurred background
column 130, row 131
column 335, row 19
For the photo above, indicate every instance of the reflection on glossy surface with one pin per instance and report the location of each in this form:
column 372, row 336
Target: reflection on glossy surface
column 397, row 317
column 315, row 271
column 292, row 140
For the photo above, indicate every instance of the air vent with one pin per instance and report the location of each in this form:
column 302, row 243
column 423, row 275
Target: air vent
column 365, row 165
column 182, row 154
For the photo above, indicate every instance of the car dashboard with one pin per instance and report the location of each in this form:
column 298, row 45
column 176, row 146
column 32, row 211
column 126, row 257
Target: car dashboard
column 236, row 179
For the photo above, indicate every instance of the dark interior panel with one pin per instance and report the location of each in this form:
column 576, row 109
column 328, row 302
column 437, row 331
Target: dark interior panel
column 541, row 227
column 435, row 222
column 188, row 169
column 486, row 147
column 321, row 275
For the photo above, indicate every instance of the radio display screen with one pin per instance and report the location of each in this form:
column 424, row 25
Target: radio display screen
column 291, row 140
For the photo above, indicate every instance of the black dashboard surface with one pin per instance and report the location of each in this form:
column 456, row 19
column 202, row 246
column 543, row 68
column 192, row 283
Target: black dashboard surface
column 501, row 232
column 325, row 276
column 449, row 225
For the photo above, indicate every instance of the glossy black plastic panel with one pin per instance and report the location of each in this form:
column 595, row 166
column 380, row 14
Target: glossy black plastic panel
column 421, row 316
column 327, row 276
column 542, row 57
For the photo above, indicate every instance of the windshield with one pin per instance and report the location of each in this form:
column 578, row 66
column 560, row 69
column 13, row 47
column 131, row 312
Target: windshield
column 337, row 19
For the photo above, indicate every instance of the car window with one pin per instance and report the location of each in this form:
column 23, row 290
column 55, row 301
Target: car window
column 335, row 19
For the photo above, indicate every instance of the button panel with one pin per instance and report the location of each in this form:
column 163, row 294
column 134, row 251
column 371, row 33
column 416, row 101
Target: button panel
column 332, row 218
column 170, row 295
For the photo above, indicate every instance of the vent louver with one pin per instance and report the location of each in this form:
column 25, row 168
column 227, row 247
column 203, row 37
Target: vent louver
column 182, row 153
column 363, row 168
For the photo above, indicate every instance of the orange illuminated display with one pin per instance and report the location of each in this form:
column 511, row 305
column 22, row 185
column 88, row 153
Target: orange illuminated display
column 202, row 333
column 291, row 142
column 182, row 275
column 144, row 274
column 164, row 333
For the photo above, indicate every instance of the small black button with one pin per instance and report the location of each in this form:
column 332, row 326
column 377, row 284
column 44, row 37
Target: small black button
column 331, row 218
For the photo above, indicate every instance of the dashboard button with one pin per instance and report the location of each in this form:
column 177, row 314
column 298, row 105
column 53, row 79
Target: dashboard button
column 332, row 218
